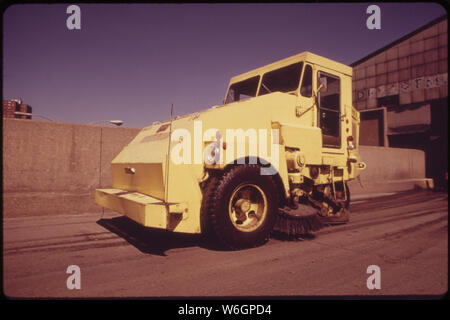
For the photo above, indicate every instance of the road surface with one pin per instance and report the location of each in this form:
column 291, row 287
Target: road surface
column 405, row 235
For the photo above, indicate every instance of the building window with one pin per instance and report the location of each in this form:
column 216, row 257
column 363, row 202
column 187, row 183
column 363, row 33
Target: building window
column 388, row 101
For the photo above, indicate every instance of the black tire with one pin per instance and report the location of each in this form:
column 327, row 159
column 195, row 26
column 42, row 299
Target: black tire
column 347, row 201
column 344, row 215
column 239, row 208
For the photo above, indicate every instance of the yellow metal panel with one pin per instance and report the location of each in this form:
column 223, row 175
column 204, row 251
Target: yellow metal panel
column 335, row 160
column 147, row 178
column 183, row 187
column 307, row 139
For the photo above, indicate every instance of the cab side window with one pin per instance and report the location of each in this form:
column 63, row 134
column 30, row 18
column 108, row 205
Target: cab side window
column 306, row 88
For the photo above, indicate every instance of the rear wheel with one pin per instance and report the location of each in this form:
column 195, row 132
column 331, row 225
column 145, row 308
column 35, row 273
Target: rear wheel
column 239, row 208
column 333, row 203
column 343, row 194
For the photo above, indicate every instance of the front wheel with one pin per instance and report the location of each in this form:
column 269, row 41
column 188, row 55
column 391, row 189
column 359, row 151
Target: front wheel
column 240, row 207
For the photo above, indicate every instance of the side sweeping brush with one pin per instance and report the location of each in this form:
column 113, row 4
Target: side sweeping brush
column 294, row 222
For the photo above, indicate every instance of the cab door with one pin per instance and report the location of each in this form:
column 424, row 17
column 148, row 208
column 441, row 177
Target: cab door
column 300, row 132
column 329, row 109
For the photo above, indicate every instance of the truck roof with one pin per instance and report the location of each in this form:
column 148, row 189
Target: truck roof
column 304, row 56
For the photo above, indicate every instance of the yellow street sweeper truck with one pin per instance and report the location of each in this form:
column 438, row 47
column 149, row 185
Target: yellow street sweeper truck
column 274, row 157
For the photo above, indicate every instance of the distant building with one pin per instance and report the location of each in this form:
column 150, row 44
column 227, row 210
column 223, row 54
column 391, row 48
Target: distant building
column 401, row 91
column 14, row 108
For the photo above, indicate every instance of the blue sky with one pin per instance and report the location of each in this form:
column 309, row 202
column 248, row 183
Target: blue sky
column 132, row 61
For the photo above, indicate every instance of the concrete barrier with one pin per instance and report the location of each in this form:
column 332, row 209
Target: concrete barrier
column 390, row 170
column 54, row 168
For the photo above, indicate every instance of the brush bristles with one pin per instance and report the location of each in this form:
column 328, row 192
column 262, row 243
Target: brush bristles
column 293, row 225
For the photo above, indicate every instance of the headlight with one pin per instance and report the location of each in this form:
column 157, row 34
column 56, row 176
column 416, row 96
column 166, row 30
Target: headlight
column 212, row 153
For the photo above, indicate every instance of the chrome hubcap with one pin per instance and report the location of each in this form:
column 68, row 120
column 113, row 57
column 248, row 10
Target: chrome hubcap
column 247, row 207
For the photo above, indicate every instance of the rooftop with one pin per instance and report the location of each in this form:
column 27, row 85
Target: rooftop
column 409, row 35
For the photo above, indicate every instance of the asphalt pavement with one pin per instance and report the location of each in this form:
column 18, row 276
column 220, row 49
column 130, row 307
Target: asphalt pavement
column 405, row 235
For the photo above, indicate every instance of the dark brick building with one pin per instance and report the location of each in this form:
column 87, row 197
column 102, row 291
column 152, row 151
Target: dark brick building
column 16, row 109
column 401, row 91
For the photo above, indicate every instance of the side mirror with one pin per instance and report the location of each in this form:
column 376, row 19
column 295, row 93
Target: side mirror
column 316, row 93
column 320, row 87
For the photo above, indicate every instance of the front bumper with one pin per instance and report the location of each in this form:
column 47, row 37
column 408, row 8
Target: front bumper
column 145, row 210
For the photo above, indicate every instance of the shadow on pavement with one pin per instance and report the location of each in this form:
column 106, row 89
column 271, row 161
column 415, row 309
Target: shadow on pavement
column 150, row 240
column 299, row 237
column 157, row 241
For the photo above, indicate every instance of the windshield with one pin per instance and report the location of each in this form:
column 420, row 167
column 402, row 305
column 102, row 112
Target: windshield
column 242, row 90
column 285, row 79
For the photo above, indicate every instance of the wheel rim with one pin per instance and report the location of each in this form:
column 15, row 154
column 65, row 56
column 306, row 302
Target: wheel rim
column 247, row 207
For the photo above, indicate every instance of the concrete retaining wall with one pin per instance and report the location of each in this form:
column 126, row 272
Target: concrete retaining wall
column 54, row 168
column 390, row 170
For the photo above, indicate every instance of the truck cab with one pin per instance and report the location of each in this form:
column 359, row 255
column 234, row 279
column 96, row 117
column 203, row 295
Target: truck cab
column 323, row 101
